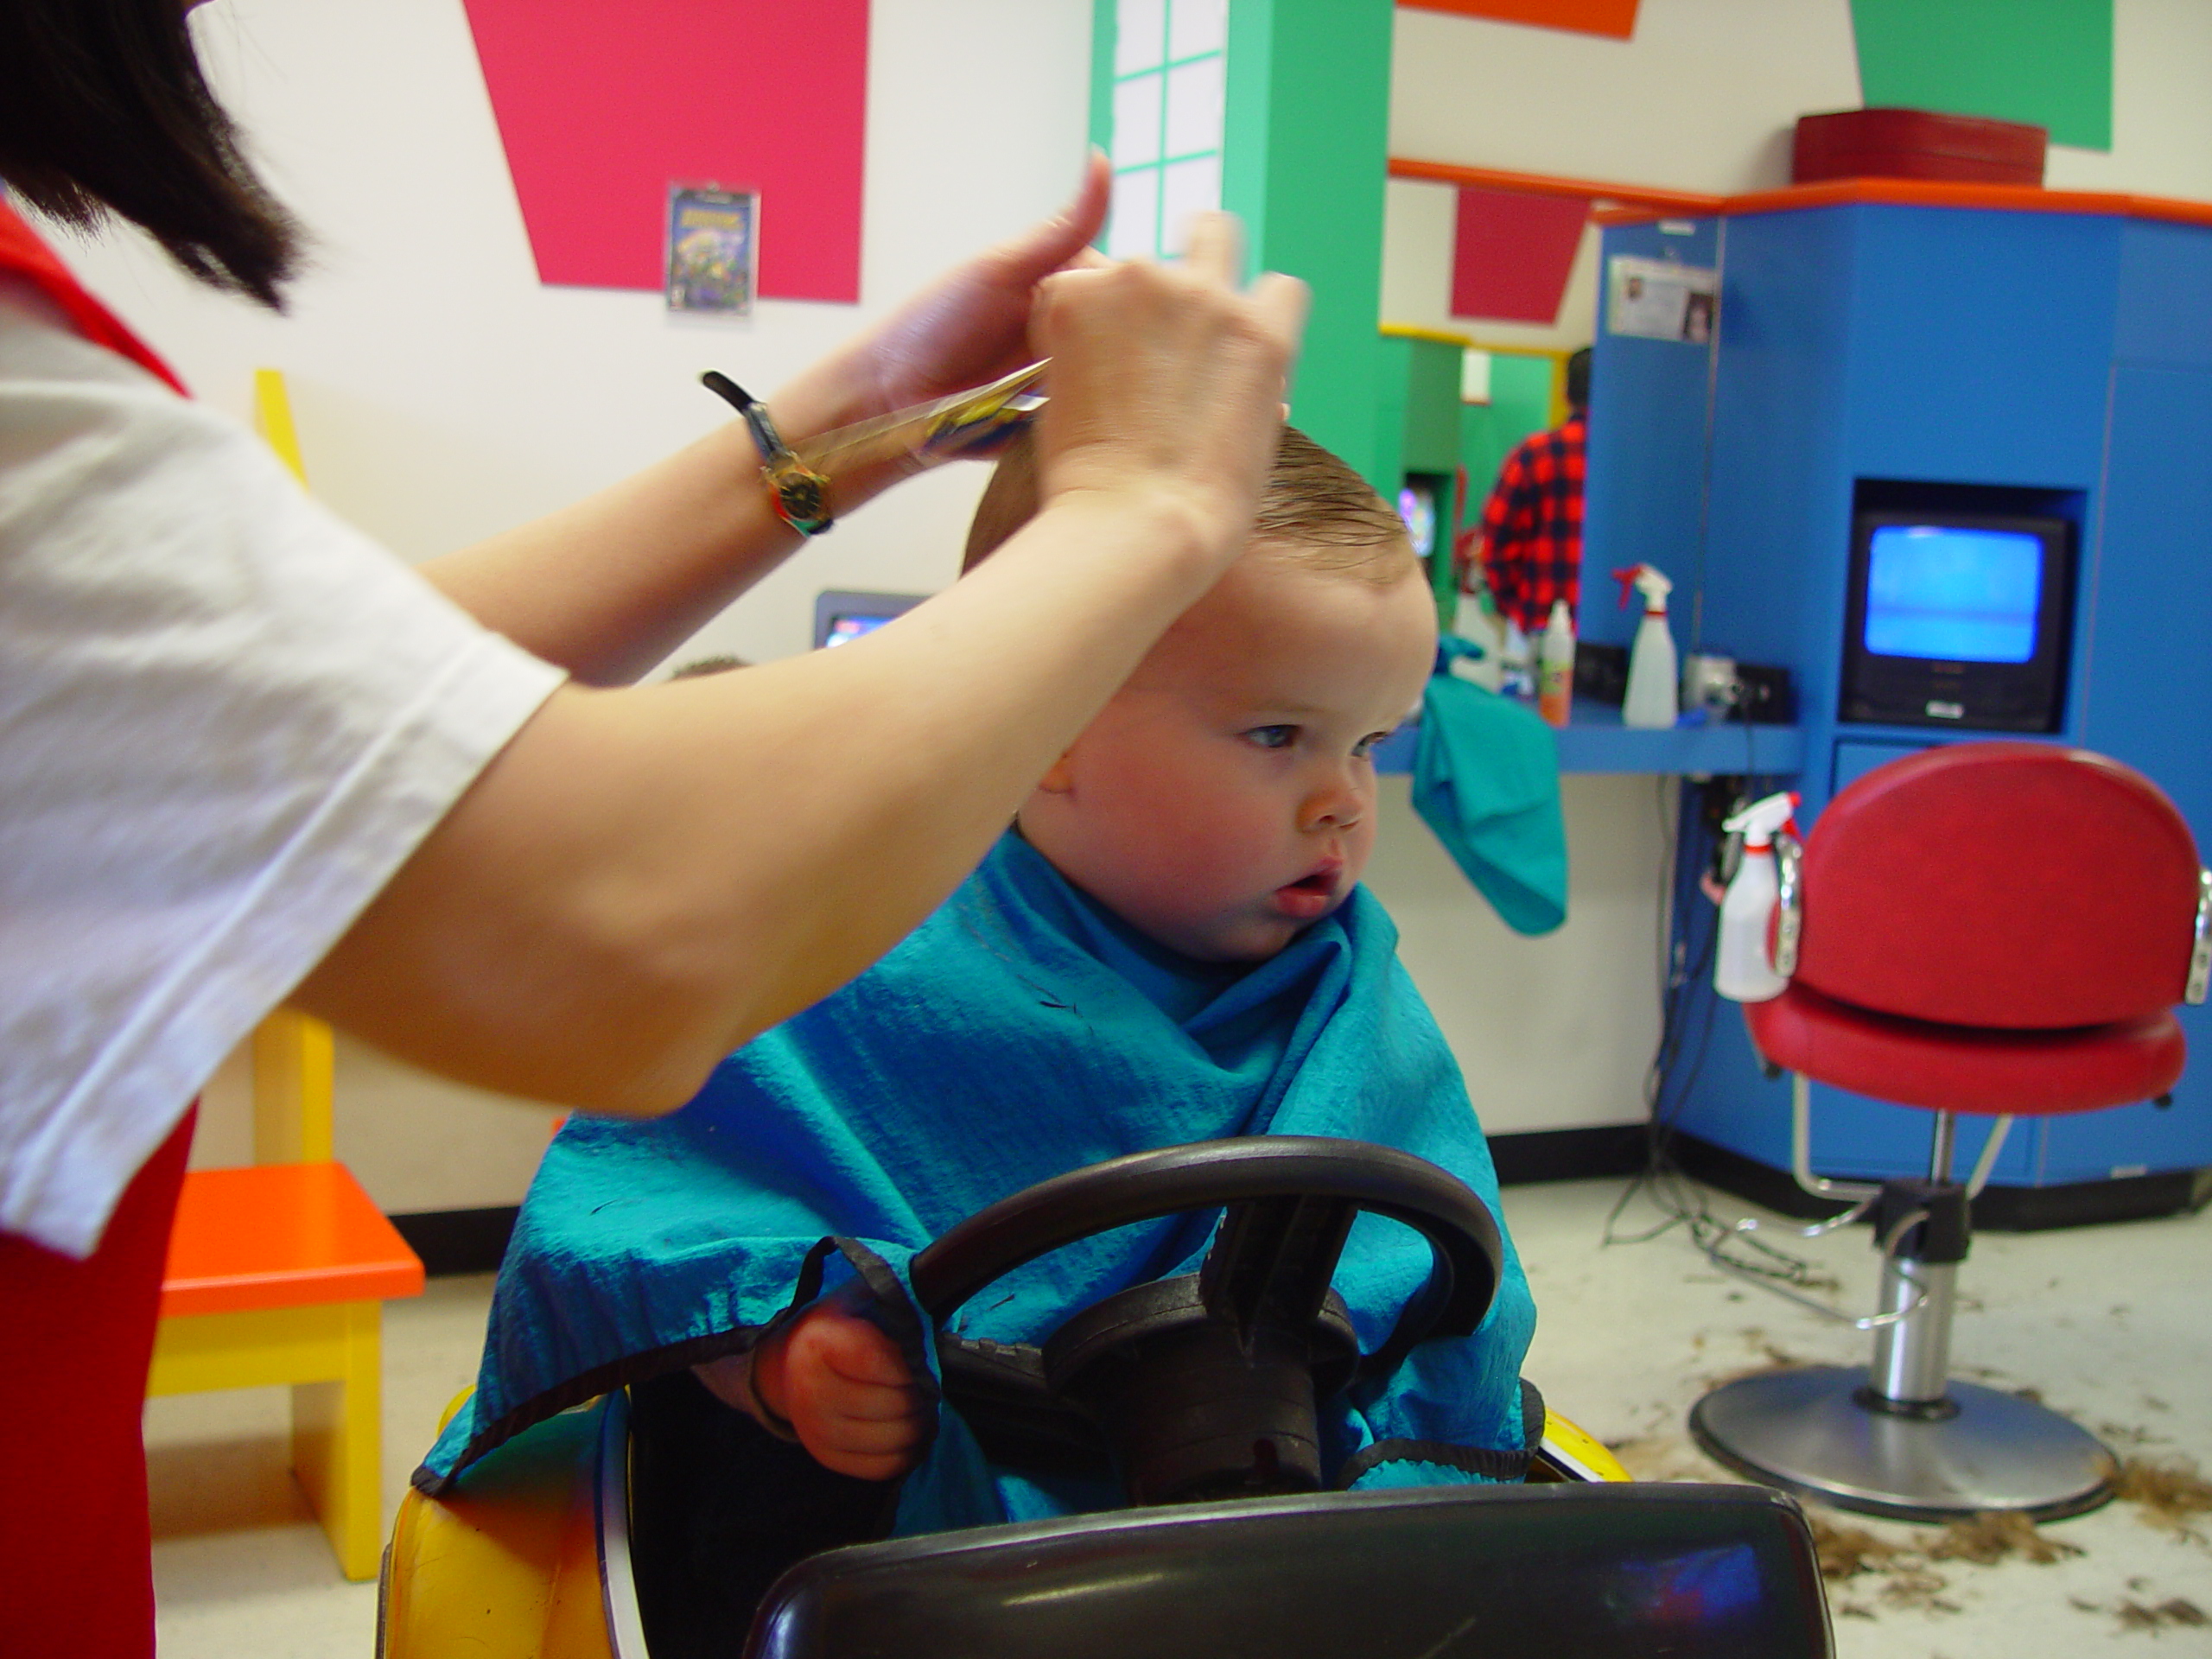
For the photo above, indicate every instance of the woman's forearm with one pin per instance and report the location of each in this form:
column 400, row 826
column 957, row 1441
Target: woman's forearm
column 607, row 588
column 647, row 878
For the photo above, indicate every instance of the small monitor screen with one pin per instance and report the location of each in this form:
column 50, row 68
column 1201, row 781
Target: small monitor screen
column 1417, row 507
column 841, row 615
column 844, row 629
column 1952, row 594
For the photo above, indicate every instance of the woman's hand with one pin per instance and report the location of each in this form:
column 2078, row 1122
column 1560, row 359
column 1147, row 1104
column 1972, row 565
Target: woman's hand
column 1167, row 384
column 841, row 1385
column 966, row 329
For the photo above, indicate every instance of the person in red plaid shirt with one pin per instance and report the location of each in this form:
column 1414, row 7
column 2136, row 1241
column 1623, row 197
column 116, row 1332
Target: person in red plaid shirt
column 1531, row 544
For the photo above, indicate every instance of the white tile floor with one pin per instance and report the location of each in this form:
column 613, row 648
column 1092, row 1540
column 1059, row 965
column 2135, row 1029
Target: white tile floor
column 2110, row 1324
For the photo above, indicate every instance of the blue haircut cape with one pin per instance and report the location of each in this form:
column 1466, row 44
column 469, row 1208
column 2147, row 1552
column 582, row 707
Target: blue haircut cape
column 1021, row 1032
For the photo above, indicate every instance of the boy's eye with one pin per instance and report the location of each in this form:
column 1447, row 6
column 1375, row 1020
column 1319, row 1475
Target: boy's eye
column 1365, row 746
column 1271, row 737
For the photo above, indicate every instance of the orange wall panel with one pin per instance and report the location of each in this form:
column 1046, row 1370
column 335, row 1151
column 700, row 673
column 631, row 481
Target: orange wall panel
column 1613, row 18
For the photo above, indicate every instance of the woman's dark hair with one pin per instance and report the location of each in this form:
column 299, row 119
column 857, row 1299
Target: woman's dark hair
column 103, row 106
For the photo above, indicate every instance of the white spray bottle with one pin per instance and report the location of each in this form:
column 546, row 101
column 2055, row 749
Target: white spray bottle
column 1743, row 970
column 1556, row 667
column 1654, row 686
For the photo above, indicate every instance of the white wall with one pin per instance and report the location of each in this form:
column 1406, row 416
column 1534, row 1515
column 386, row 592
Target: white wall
column 1555, row 1032
column 442, row 394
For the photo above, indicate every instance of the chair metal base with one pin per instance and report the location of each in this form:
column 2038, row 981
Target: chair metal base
column 1808, row 1432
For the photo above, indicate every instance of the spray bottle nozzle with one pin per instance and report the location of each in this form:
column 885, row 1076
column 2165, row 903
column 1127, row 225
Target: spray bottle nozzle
column 1762, row 818
column 1648, row 580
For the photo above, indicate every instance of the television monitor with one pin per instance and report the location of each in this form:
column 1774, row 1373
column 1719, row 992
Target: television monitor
column 1957, row 619
column 842, row 616
column 1417, row 504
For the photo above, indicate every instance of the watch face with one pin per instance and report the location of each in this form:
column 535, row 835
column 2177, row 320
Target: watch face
column 804, row 496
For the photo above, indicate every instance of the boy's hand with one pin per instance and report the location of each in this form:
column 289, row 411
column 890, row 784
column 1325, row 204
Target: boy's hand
column 842, row 1386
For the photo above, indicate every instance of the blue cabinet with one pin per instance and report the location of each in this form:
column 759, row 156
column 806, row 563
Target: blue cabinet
column 2063, row 353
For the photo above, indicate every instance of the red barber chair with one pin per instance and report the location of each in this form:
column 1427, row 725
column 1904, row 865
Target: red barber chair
column 1993, row 929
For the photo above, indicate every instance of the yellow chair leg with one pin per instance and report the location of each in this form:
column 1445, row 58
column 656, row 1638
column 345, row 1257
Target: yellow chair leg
column 338, row 1445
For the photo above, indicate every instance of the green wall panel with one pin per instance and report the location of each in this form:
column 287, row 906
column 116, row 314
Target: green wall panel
column 1416, row 425
column 1391, row 385
column 1303, row 164
column 1432, row 406
column 1102, row 19
column 1305, row 146
column 2044, row 61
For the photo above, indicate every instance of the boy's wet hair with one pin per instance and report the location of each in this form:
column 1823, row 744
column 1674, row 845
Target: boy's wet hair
column 1315, row 511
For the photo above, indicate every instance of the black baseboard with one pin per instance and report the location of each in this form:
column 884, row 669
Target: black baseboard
column 473, row 1240
column 1567, row 1154
column 458, row 1241
column 1999, row 1210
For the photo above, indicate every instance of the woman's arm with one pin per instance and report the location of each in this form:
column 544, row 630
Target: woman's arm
column 607, row 588
column 646, row 877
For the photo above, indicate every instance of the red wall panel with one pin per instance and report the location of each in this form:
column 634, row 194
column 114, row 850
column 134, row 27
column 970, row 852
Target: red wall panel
column 602, row 106
column 1513, row 253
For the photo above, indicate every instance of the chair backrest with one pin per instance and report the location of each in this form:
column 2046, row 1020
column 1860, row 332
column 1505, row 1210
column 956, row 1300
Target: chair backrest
column 293, row 1090
column 2011, row 885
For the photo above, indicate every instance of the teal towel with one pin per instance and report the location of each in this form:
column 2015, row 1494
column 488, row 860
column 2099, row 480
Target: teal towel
column 1020, row 1031
column 1486, row 780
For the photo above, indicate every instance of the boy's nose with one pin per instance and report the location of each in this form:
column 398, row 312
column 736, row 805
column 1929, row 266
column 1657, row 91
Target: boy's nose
column 1338, row 806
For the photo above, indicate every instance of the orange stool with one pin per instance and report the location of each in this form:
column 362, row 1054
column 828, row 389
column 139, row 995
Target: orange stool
column 278, row 1273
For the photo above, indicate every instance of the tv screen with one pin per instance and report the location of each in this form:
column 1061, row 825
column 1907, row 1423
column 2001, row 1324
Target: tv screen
column 1417, row 509
column 842, row 616
column 1948, row 592
column 1958, row 618
column 842, row 628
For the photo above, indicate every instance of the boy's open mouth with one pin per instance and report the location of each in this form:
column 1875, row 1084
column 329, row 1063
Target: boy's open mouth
column 1311, row 894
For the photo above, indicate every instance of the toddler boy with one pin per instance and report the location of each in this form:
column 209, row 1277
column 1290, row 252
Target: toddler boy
column 1171, row 946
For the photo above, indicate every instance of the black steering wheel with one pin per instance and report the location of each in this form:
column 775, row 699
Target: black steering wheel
column 1206, row 1384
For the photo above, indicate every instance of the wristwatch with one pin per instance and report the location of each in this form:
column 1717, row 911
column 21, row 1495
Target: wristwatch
column 799, row 494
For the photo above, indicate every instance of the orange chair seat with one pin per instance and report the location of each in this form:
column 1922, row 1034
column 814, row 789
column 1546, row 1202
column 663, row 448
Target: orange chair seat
column 277, row 1236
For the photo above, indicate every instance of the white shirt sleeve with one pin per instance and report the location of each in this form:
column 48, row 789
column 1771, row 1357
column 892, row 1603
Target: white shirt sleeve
column 225, row 720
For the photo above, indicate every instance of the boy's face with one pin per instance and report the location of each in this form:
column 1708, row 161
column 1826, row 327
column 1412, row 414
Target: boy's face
column 1224, row 800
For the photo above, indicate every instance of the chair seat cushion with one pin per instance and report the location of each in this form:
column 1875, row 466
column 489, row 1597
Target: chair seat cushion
column 1967, row 1068
column 271, row 1236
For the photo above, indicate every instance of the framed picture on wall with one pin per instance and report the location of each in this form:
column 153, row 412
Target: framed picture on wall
column 714, row 249
column 1659, row 299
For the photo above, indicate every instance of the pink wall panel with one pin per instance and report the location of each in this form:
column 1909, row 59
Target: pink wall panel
column 602, row 106
column 1512, row 254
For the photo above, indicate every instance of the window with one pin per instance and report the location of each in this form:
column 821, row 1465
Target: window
column 1170, row 58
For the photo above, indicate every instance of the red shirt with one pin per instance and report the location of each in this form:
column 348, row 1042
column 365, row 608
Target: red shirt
column 1532, row 525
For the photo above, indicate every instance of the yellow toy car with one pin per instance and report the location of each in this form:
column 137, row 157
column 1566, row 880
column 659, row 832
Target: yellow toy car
column 1201, row 1391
